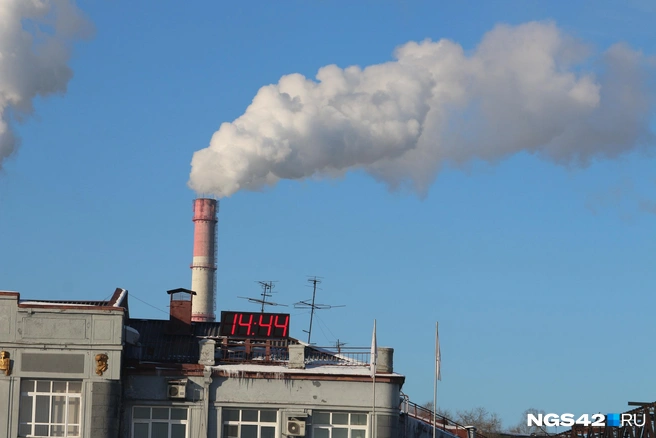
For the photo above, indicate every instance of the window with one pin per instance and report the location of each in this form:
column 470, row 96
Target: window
column 339, row 425
column 159, row 422
column 249, row 423
column 49, row 408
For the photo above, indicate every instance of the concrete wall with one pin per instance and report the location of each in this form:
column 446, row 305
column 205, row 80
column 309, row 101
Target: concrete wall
column 6, row 405
column 310, row 394
column 284, row 395
column 153, row 391
column 52, row 343
column 105, row 409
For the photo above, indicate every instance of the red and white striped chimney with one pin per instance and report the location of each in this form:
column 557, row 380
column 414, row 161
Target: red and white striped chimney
column 203, row 266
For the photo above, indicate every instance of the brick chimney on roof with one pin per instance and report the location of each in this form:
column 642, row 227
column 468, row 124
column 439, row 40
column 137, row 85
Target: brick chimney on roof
column 180, row 311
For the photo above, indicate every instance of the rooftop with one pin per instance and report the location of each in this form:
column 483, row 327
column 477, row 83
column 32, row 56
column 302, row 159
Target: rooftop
column 118, row 300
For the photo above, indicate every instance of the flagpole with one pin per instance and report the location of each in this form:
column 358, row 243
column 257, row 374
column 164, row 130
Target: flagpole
column 374, row 407
column 437, row 371
column 374, row 361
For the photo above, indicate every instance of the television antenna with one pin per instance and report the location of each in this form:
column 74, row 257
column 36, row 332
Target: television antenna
column 339, row 346
column 313, row 305
column 267, row 292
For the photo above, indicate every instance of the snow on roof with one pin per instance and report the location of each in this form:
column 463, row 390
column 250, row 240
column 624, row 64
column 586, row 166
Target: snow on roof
column 55, row 304
column 119, row 300
column 310, row 369
column 67, row 303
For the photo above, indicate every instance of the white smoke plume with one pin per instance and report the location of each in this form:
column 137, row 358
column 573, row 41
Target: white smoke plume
column 35, row 39
column 527, row 88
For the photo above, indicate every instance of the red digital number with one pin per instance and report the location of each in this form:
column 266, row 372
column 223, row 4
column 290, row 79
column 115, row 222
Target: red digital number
column 247, row 325
column 268, row 325
column 234, row 323
column 284, row 326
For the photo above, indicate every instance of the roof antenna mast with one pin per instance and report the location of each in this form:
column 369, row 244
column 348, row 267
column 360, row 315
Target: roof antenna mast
column 313, row 305
column 267, row 292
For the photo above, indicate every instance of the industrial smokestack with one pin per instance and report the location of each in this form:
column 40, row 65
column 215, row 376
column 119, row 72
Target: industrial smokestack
column 203, row 266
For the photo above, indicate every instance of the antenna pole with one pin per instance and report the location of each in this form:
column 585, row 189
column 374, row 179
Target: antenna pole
column 313, row 305
column 314, row 282
column 267, row 291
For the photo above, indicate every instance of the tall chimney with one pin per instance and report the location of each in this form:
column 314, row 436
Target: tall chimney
column 203, row 266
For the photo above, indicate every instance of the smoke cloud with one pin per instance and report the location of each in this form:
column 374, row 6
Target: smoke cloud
column 35, row 39
column 529, row 88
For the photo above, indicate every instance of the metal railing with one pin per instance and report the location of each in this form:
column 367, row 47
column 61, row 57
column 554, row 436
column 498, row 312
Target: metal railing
column 441, row 422
column 352, row 356
column 268, row 351
column 276, row 351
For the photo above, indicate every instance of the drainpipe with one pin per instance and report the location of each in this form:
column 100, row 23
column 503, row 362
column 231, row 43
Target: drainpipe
column 207, row 352
column 207, row 381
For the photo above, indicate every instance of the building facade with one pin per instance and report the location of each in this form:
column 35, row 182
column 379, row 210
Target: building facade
column 188, row 379
column 63, row 366
column 86, row 369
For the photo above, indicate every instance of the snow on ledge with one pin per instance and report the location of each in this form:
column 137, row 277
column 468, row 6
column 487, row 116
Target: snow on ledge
column 334, row 370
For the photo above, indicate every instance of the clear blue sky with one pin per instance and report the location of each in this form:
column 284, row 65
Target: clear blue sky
column 540, row 275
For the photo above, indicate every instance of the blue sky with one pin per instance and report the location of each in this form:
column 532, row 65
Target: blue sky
column 541, row 275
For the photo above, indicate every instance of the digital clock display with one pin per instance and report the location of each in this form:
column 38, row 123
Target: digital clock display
column 254, row 325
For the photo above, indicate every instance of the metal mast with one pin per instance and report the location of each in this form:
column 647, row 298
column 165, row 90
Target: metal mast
column 267, row 292
column 313, row 305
